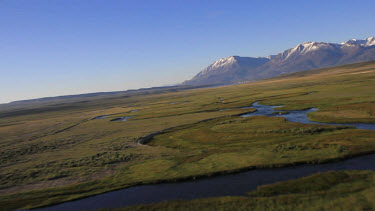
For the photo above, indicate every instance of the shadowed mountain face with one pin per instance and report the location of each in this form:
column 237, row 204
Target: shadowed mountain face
column 305, row 56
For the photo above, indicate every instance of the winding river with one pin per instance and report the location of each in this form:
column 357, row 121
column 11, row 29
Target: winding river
column 299, row 116
column 224, row 185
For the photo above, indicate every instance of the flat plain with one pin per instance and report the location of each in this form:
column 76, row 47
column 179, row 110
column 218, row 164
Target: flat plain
column 57, row 151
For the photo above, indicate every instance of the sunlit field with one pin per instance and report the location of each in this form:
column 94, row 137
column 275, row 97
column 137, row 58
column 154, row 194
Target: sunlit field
column 57, row 151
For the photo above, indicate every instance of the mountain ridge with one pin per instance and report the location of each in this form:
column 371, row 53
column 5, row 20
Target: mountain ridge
column 305, row 56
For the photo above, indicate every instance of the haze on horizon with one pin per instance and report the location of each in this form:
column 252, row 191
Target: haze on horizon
column 52, row 48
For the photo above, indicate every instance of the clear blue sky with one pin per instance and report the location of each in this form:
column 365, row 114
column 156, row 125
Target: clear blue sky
column 59, row 47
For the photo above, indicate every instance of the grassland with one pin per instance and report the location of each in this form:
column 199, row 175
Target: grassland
column 57, row 152
column 342, row 190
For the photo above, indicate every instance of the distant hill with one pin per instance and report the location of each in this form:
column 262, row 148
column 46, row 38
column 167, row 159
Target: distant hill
column 305, row 56
column 49, row 104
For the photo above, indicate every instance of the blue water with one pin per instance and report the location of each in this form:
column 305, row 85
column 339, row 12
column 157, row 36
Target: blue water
column 299, row 116
column 121, row 118
column 225, row 185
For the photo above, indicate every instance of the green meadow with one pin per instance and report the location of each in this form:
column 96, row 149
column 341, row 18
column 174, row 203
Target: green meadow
column 55, row 152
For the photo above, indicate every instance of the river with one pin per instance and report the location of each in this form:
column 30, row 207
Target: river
column 224, row 185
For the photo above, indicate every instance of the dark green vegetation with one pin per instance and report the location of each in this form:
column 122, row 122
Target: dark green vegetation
column 342, row 190
column 230, row 143
column 56, row 152
column 281, row 112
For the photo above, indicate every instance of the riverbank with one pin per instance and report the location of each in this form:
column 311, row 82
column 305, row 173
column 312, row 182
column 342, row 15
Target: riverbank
column 339, row 190
column 225, row 185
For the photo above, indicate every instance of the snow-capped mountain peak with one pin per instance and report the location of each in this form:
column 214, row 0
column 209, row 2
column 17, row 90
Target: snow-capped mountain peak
column 305, row 56
column 370, row 41
column 231, row 65
column 366, row 42
column 305, row 48
column 308, row 47
column 218, row 64
column 223, row 61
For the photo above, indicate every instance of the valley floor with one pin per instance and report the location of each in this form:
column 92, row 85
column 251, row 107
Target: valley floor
column 61, row 152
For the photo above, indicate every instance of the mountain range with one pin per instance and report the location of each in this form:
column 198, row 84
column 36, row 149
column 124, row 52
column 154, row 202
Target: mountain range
column 305, row 56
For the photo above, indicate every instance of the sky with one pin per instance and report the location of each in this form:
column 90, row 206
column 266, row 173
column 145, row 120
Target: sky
column 62, row 47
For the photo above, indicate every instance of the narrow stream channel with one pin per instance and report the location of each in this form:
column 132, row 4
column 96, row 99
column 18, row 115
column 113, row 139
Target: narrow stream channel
column 224, row 185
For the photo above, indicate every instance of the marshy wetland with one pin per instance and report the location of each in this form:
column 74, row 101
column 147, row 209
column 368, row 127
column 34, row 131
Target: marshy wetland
column 57, row 152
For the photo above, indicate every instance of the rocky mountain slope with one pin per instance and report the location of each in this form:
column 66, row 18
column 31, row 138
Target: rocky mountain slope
column 305, row 56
